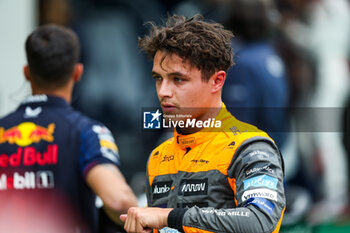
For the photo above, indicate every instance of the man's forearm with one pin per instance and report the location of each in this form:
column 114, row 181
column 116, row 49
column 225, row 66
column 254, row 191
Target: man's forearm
column 244, row 219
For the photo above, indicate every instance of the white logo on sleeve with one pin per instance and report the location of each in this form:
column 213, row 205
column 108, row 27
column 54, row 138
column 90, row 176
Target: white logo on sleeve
column 263, row 193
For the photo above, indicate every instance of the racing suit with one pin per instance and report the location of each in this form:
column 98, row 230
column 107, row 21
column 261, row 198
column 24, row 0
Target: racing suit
column 46, row 146
column 221, row 180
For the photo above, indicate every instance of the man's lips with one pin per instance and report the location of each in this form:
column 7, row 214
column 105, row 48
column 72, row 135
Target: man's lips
column 167, row 107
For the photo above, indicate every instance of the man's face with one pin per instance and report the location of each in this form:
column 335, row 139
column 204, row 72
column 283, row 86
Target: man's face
column 179, row 86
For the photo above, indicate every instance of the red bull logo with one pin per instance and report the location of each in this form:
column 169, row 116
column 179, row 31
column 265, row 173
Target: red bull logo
column 29, row 156
column 27, row 133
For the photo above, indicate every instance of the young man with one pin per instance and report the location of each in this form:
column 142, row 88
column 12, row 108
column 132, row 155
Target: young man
column 225, row 179
column 46, row 146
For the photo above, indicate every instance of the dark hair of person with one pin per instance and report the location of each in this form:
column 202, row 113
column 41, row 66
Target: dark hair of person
column 206, row 45
column 52, row 52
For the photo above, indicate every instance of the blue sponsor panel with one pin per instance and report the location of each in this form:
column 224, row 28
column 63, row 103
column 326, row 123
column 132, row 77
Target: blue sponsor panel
column 168, row 230
column 261, row 181
column 261, row 203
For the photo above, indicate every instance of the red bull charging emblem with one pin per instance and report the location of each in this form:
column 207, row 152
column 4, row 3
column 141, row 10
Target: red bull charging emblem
column 27, row 133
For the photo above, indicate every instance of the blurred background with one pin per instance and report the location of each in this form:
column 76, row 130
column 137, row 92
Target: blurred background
column 291, row 79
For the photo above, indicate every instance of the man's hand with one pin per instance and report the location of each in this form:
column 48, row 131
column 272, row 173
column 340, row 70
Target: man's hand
column 145, row 219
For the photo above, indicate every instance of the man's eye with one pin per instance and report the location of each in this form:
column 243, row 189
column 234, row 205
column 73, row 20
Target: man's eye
column 157, row 78
column 178, row 80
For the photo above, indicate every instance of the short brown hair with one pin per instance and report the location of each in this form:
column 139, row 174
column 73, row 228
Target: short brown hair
column 207, row 45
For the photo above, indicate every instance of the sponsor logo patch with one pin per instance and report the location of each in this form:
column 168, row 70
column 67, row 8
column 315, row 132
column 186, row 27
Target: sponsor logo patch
column 193, row 187
column 261, row 203
column 32, row 113
column 259, row 154
column 263, row 193
column 235, row 130
column 28, row 156
column 108, row 147
column 200, row 161
column 161, row 189
column 227, row 213
column 27, row 180
column 167, row 158
column 35, row 99
column 168, row 230
column 259, row 169
column 261, row 181
column 187, row 141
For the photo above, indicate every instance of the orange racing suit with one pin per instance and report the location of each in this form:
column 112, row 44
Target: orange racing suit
column 223, row 180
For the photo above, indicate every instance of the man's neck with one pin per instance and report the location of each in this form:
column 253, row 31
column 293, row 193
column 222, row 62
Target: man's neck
column 64, row 92
column 58, row 93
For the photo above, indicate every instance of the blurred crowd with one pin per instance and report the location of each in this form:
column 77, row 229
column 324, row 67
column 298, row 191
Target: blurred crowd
column 291, row 79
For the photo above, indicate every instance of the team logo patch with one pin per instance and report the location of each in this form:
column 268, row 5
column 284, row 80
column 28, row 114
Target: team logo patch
column 27, row 133
column 232, row 143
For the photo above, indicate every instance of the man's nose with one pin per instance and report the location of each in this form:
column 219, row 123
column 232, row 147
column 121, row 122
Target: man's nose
column 164, row 89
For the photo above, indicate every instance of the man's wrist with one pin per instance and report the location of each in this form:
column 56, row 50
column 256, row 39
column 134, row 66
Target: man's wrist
column 175, row 218
column 164, row 216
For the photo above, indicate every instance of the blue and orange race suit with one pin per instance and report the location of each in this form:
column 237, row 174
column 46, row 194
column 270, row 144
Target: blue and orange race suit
column 218, row 180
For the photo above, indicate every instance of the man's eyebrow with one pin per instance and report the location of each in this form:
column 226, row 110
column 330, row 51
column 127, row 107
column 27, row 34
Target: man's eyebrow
column 155, row 73
column 178, row 74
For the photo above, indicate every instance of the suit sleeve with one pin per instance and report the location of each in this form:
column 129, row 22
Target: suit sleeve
column 97, row 147
column 257, row 170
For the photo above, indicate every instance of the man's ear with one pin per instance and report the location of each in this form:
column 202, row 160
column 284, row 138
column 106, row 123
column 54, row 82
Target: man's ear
column 26, row 73
column 217, row 80
column 78, row 72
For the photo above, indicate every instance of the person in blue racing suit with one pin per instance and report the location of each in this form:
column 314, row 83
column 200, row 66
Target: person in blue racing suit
column 48, row 147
